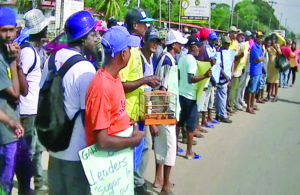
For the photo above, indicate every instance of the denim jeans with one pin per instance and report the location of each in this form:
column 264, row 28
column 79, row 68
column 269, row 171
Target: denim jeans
column 7, row 166
column 221, row 100
column 139, row 175
column 283, row 78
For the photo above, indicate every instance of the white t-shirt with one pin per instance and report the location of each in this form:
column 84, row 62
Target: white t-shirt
column 187, row 65
column 75, row 83
column 28, row 104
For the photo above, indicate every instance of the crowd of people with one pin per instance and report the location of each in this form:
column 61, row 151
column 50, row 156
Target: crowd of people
column 101, row 92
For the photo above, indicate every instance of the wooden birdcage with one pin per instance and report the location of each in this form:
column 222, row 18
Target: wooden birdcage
column 158, row 107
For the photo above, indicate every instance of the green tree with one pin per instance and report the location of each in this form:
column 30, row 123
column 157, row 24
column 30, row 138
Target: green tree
column 220, row 16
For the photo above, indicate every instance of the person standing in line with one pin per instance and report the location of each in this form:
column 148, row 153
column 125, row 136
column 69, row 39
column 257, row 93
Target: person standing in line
column 245, row 66
column 36, row 25
column 222, row 87
column 188, row 69
column 12, row 85
column 165, row 141
column 294, row 62
column 256, row 70
column 237, row 72
column 65, row 171
column 273, row 72
column 133, row 81
column 107, row 123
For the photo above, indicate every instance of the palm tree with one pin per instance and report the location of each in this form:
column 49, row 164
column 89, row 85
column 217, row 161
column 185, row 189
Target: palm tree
column 111, row 8
column 25, row 5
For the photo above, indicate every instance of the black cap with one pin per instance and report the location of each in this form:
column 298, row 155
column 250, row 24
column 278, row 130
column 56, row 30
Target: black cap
column 137, row 15
column 112, row 22
column 194, row 30
column 192, row 40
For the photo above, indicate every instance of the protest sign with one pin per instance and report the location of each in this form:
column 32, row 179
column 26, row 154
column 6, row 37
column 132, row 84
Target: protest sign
column 228, row 58
column 216, row 69
column 203, row 67
column 109, row 172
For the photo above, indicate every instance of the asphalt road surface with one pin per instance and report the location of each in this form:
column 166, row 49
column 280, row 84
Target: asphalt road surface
column 256, row 154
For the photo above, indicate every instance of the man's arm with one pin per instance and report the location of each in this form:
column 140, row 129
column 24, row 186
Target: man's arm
column 108, row 142
column 12, row 124
column 152, row 81
column 22, row 82
column 194, row 79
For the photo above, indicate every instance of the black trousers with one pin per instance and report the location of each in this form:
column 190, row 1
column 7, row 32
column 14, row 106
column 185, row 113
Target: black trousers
column 293, row 71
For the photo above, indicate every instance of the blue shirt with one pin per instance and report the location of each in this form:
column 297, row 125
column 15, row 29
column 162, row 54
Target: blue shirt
column 256, row 52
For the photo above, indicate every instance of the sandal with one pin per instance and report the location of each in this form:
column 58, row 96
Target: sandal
column 214, row 121
column 202, row 130
column 195, row 157
column 198, row 135
column 180, row 151
column 208, row 125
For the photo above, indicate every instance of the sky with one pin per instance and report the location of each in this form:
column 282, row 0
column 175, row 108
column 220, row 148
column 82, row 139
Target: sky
column 287, row 10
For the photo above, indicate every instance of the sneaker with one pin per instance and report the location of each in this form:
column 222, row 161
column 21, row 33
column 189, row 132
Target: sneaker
column 239, row 107
column 225, row 120
column 142, row 190
column 243, row 104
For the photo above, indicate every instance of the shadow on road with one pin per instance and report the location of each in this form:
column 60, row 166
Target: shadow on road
column 288, row 101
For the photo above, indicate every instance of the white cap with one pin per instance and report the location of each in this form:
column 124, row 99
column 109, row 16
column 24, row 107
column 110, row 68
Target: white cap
column 175, row 37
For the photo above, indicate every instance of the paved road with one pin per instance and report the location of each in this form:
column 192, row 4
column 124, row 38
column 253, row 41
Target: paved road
column 257, row 154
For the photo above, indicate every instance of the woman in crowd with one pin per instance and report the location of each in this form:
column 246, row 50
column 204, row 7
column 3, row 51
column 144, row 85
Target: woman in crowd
column 294, row 61
column 273, row 72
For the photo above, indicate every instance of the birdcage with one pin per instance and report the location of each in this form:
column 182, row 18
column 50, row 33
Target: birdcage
column 158, row 107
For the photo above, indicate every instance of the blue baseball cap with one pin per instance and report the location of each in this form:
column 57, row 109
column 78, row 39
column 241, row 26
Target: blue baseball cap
column 151, row 33
column 213, row 35
column 8, row 17
column 117, row 38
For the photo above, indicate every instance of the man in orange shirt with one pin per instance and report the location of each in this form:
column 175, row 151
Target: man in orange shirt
column 105, row 100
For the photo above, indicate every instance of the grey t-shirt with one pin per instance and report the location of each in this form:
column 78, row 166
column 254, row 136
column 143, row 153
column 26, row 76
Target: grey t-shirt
column 6, row 136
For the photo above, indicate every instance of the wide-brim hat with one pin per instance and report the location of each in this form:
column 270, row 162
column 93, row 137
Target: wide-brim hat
column 35, row 21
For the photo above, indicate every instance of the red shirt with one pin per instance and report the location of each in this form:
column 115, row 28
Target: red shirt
column 105, row 106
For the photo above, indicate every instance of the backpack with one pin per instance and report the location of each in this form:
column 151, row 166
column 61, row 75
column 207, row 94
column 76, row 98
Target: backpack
column 54, row 128
column 26, row 44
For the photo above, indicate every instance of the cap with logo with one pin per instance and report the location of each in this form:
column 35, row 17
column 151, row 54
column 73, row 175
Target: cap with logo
column 213, row 35
column 192, row 40
column 175, row 37
column 233, row 29
column 35, row 21
column 118, row 43
column 151, row 33
column 226, row 39
column 248, row 33
column 7, row 16
column 137, row 16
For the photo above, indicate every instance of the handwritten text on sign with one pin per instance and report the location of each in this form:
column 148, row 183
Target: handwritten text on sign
column 108, row 172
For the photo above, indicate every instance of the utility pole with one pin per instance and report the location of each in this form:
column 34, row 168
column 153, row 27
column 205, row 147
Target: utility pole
column 271, row 2
column 169, row 2
column 159, row 13
column 232, row 9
